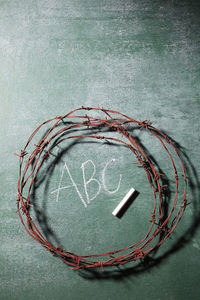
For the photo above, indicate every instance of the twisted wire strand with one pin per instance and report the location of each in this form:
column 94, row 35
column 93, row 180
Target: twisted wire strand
column 40, row 154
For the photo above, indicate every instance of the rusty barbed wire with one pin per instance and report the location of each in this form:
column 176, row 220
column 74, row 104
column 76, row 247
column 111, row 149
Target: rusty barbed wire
column 29, row 169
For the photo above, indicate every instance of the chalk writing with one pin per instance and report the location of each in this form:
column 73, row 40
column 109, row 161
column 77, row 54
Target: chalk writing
column 86, row 182
column 103, row 178
column 90, row 180
column 66, row 187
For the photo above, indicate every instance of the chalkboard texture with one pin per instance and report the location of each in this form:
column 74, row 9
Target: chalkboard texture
column 141, row 58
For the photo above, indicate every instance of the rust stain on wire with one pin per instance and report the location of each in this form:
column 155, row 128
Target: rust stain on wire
column 117, row 122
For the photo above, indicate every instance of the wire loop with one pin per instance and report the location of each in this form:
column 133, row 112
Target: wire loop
column 116, row 123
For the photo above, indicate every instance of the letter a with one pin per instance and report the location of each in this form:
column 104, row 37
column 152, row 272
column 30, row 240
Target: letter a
column 66, row 187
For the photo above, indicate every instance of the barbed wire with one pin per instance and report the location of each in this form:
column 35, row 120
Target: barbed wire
column 29, row 168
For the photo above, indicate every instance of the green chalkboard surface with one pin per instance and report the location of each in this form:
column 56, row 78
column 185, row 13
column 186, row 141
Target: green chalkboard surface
column 141, row 58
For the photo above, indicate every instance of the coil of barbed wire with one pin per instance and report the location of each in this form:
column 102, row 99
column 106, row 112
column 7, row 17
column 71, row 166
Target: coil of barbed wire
column 118, row 122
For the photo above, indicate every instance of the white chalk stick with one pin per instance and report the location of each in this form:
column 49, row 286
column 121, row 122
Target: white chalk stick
column 123, row 202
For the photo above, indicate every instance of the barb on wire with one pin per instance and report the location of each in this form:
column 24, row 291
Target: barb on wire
column 141, row 248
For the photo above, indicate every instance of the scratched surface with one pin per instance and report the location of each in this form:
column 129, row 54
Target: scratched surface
column 139, row 57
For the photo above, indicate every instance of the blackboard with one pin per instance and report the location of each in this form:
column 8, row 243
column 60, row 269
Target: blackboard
column 137, row 57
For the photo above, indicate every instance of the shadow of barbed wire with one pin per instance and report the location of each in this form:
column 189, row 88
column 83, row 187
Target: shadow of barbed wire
column 151, row 261
column 148, row 262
